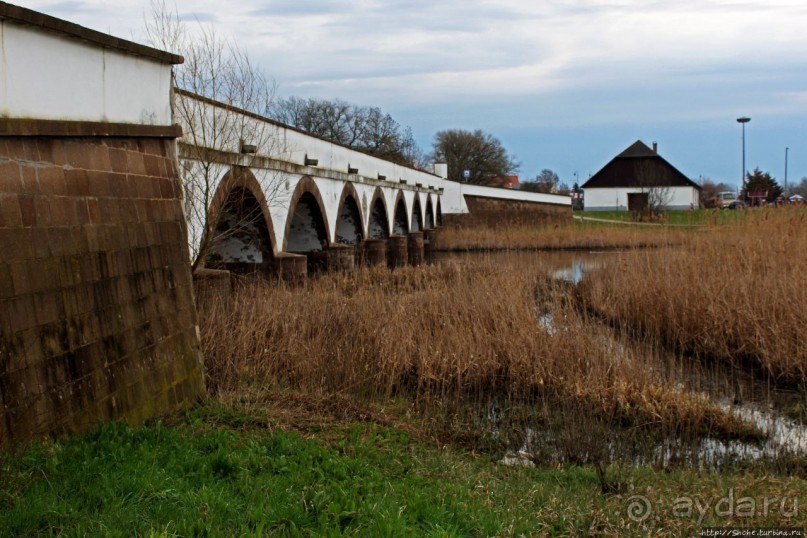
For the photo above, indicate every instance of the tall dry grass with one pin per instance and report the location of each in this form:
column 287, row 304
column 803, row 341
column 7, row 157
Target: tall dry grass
column 736, row 294
column 571, row 236
column 449, row 339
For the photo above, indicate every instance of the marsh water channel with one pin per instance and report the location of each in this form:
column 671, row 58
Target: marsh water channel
column 775, row 411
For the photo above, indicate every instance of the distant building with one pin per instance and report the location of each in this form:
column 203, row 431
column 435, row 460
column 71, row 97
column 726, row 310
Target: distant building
column 638, row 179
column 505, row 182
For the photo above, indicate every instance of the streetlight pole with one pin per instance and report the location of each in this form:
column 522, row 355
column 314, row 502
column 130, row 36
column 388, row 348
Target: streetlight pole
column 786, row 151
column 743, row 120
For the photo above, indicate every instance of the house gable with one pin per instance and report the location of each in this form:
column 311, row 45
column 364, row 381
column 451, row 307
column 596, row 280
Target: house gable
column 638, row 167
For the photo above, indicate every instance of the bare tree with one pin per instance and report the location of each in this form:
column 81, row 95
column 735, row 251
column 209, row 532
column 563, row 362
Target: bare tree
column 800, row 188
column 655, row 192
column 366, row 129
column 481, row 154
column 216, row 139
column 545, row 182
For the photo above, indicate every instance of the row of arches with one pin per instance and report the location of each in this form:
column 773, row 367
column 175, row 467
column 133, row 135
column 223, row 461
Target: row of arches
column 242, row 230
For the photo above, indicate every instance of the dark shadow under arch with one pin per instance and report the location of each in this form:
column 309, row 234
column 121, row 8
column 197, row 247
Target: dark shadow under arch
column 349, row 222
column 306, row 224
column 241, row 234
column 378, row 225
column 439, row 213
column 400, row 222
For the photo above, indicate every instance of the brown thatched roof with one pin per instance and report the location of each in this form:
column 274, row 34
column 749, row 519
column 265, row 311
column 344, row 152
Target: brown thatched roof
column 638, row 166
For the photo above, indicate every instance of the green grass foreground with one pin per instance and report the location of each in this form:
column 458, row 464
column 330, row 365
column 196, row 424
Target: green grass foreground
column 696, row 217
column 223, row 470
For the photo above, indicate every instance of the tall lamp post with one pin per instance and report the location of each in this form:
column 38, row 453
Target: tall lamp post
column 743, row 120
column 786, row 151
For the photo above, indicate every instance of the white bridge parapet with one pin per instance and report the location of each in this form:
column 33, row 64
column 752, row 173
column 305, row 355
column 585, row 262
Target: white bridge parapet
column 70, row 73
column 455, row 193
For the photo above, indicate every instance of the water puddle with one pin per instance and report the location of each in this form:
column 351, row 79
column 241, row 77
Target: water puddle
column 735, row 391
column 750, row 399
column 578, row 269
column 785, row 436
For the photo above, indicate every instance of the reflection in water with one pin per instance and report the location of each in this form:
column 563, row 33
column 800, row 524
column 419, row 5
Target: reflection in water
column 564, row 265
column 547, row 323
column 736, row 391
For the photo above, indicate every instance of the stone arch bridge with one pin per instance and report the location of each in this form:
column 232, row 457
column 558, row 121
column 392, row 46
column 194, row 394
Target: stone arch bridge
column 267, row 197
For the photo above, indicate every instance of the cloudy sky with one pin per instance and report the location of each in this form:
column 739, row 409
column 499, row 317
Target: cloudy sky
column 565, row 84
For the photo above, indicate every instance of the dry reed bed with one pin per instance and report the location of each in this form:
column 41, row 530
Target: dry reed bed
column 442, row 337
column 737, row 294
column 570, row 236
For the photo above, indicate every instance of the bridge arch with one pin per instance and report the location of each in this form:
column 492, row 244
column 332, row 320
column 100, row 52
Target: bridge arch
column 349, row 221
column 306, row 224
column 416, row 224
column 400, row 220
column 428, row 221
column 241, row 231
column 378, row 222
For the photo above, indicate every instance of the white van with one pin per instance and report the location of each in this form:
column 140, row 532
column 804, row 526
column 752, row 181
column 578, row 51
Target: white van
column 725, row 198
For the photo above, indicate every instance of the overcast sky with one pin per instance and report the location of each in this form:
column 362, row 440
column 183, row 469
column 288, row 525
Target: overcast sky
column 566, row 85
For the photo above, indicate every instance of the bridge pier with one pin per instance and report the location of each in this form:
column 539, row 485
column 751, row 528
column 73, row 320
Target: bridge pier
column 291, row 267
column 429, row 244
column 430, row 239
column 242, row 268
column 415, row 248
column 317, row 261
column 375, row 251
column 211, row 284
column 341, row 258
column 358, row 253
column 397, row 253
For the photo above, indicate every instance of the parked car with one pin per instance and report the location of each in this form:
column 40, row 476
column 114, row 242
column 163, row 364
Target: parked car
column 737, row 204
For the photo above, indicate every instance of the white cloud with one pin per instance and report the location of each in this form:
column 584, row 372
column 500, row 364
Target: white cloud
column 626, row 65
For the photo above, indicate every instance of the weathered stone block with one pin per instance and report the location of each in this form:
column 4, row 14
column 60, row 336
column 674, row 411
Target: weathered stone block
column 414, row 248
column 211, row 284
column 17, row 245
column 6, row 283
column 341, row 258
column 99, row 184
column 78, row 182
column 119, row 161
column 51, row 180
column 10, row 177
column 375, row 251
column 397, row 255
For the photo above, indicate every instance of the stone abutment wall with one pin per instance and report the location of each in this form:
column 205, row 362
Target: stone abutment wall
column 97, row 320
column 495, row 213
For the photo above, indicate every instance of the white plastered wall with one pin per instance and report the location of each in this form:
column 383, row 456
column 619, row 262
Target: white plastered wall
column 616, row 198
column 50, row 77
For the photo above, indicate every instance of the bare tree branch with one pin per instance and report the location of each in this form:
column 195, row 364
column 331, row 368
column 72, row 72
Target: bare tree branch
column 365, row 129
column 214, row 136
